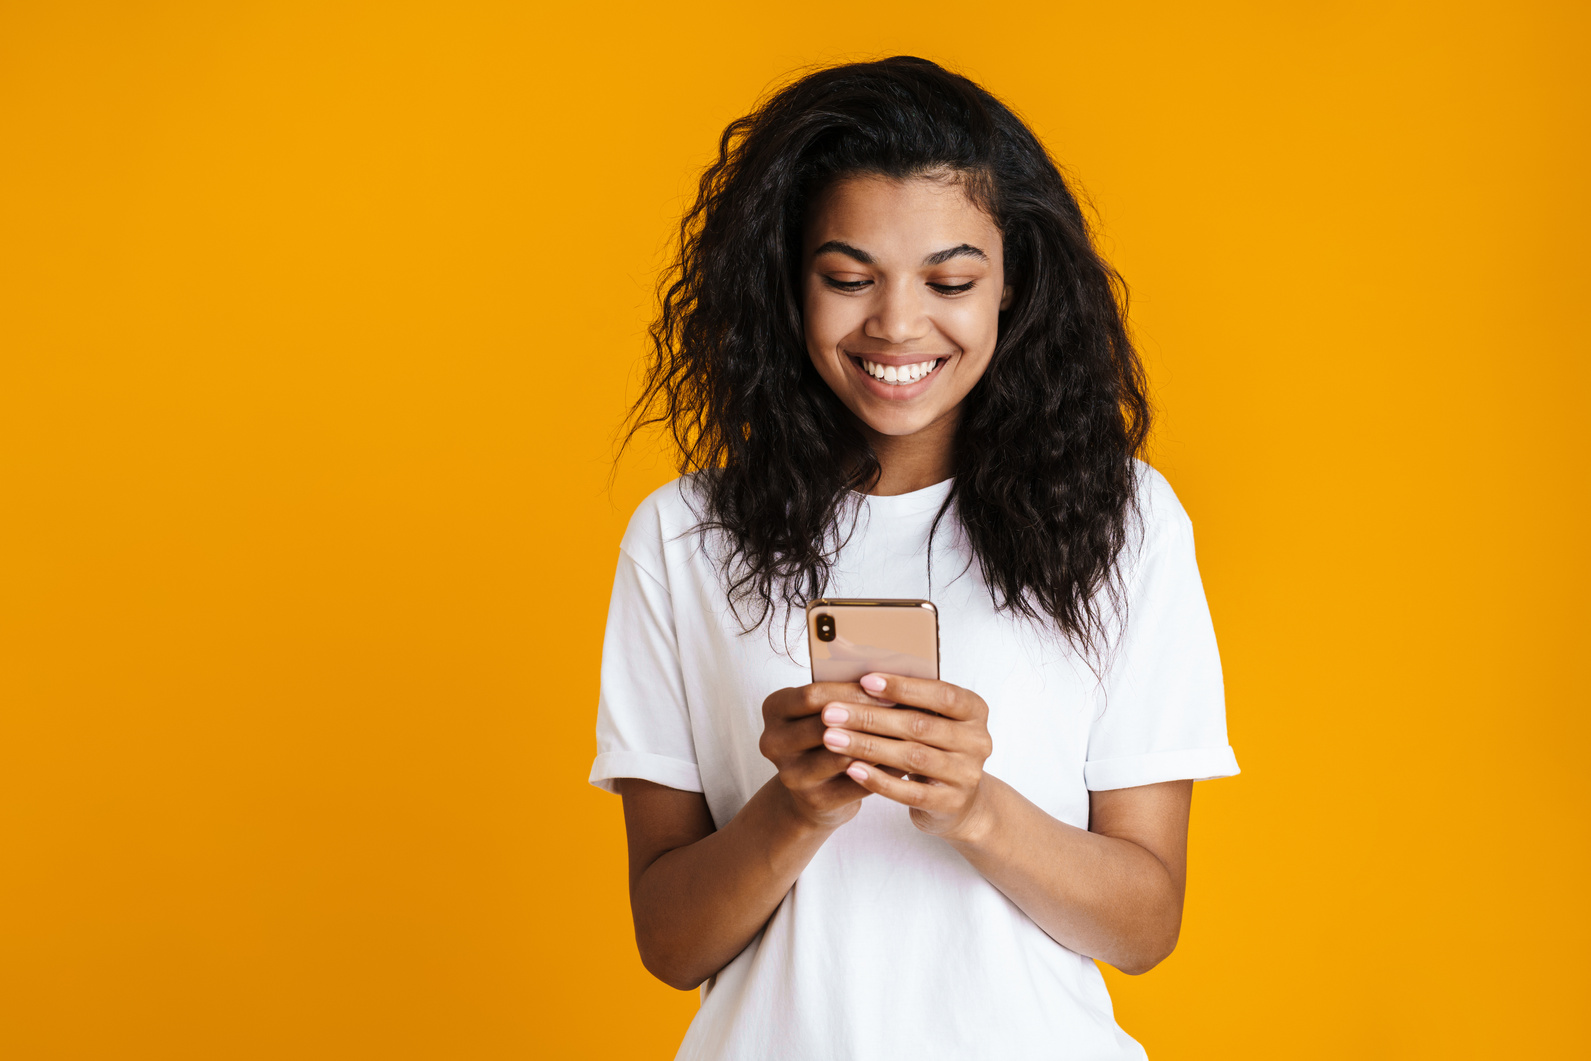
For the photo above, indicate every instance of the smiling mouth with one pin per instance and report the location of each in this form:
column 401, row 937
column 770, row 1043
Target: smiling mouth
column 899, row 375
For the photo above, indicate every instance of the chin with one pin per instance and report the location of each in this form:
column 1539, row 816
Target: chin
column 897, row 426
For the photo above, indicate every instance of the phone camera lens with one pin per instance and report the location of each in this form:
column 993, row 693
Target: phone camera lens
column 825, row 626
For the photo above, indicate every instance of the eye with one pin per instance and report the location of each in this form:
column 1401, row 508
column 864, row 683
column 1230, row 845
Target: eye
column 846, row 285
column 953, row 289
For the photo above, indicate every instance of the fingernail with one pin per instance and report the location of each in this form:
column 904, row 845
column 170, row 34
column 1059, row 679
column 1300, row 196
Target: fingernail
column 834, row 714
column 836, row 738
column 873, row 683
column 857, row 771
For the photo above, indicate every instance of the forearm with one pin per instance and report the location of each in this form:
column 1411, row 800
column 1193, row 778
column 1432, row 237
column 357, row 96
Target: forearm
column 1101, row 896
column 697, row 906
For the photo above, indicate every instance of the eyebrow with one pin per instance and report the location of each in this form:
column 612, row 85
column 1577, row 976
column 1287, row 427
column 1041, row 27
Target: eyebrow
column 835, row 246
column 966, row 250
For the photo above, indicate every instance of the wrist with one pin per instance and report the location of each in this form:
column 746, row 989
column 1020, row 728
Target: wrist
column 979, row 824
column 800, row 822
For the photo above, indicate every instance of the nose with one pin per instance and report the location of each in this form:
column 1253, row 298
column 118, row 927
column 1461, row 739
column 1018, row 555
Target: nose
column 898, row 314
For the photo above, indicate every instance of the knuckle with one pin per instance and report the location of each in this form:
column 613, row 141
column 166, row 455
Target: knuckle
column 920, row 725
column 917, row 760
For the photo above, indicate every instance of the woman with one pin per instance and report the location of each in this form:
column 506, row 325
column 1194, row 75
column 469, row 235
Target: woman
column 896, row 367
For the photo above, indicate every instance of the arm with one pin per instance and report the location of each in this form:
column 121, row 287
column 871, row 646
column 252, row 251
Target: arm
column 697, row 895
column 1113, row 891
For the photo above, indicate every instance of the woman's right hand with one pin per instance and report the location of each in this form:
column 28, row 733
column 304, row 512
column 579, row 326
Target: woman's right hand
column 792, row 739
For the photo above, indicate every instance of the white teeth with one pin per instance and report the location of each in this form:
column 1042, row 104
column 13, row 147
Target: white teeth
column 899, row 373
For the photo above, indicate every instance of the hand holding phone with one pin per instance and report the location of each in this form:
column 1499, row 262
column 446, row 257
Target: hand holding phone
column 932, row 765
column 849, row 639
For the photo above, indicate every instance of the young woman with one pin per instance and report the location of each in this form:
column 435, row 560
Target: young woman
column 895, row 366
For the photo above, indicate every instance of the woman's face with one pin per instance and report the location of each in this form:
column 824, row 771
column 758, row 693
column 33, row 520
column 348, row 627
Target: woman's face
column 902, row 296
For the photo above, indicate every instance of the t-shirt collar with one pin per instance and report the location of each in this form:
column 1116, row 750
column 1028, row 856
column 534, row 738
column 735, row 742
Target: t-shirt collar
column 915, row 503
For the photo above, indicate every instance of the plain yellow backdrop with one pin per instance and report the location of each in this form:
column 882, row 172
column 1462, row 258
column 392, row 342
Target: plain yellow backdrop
column 316, row 321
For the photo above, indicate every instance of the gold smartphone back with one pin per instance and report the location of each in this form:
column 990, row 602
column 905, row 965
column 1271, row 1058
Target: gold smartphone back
column 850, row 638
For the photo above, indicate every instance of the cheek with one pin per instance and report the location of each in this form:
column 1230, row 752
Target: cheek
column 824, row 322
column 975, row 327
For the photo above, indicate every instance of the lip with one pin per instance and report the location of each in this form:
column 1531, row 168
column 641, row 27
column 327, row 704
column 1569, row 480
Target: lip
column 897, row 392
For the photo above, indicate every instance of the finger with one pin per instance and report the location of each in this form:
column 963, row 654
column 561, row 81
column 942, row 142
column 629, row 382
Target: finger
column 838, row 791
column 810, row 699
column 815, row 767
column 799, row 735
column 919, row 794
column 952, row 701
column 833, row 794
column 785, row 739
column 903, row 722
column 904, row 756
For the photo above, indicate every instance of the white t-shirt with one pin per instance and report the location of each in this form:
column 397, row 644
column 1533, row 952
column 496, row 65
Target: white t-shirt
column 890, row 943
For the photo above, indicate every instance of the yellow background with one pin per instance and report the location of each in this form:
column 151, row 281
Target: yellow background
column 317, row 320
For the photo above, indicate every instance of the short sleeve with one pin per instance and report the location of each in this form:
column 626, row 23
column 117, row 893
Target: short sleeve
column 1163, row 716
column 643, row 726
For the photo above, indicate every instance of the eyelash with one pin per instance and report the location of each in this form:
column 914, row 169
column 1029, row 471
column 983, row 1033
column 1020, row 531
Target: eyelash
column 857, row 285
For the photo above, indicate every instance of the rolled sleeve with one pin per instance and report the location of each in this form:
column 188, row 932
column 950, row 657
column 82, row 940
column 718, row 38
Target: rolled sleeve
column 643, row 721
column 674, row 773
column 1197, row 764
column 1163, row 712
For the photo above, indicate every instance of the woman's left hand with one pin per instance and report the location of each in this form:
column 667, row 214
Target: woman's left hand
column 942, row 756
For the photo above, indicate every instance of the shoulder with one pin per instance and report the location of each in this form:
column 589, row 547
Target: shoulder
column 1159, row 510
column 1157, row 520
column 669, row 515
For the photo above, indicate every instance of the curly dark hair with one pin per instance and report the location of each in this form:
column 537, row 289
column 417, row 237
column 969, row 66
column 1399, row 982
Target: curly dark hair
column 1044, row 454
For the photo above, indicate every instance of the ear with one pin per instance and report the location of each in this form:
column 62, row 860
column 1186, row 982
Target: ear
column 1006, row 297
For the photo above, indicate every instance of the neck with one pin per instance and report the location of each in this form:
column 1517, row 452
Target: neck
column 916, row 461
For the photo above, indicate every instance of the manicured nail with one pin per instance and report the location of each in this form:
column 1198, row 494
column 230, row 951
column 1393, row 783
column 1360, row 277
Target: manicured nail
column 834, row 714
column 857, row 771
column 873, row 683
column 836, row 738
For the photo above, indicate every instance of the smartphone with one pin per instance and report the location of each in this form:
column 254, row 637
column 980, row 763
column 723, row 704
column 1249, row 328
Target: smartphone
column 850, row 638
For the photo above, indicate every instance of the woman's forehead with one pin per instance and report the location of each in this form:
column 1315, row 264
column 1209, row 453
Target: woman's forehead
column 900, row 218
